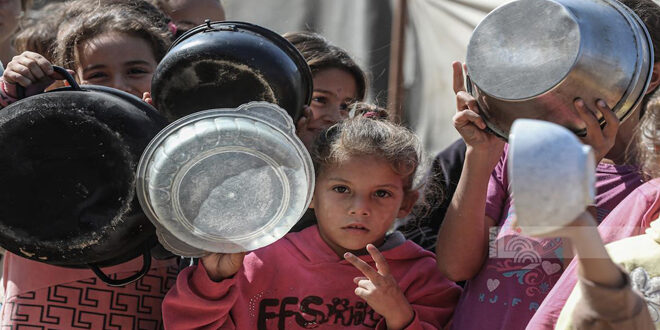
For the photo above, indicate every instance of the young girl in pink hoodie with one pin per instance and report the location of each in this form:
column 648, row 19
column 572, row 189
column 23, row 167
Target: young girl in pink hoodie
column 347, row 271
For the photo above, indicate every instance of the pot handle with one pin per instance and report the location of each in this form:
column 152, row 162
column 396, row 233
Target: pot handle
column 20, row 90
column 146, row 264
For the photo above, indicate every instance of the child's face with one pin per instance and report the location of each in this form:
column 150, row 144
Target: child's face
column 357, row 202
column 195, row 12
column 117, row 60
column 10, row 11
column 334, row 90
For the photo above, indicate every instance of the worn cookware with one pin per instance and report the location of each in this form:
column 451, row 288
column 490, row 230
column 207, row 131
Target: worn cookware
column 225, row 180
column 67, row 172
column 226, row 64
column 552, row 175
column 532, row 58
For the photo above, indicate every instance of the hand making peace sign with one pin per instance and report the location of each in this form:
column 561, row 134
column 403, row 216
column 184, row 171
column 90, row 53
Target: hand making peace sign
column 380, row 290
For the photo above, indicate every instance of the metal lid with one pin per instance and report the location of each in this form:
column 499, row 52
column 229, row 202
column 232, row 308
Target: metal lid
column 226, row 180
column 523, row 49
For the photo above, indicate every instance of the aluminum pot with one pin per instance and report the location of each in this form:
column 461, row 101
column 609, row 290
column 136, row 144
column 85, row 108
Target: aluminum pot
column 532, row 58
column 226, row 64
column 225, row 180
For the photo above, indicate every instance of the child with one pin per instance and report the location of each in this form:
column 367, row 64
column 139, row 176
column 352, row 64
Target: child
column 604, row 297
column 365, row 169
column 621, row 223
column 103, row 49
column 10, row 13
column 508, row 286
column 338, row 81
column 115, row 47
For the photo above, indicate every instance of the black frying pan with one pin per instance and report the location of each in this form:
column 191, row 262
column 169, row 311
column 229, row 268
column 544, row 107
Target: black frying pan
column 67, row 172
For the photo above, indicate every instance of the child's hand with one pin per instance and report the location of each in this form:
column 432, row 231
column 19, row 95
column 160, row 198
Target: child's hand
column 601, row 140
column 381, row 291
column 303, row 131
column 146, row 97
column 467, row 121
column 222, row 265
column 29, row 70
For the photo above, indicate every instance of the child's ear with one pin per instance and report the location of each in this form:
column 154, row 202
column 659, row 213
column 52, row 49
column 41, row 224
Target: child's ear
column 407, row 204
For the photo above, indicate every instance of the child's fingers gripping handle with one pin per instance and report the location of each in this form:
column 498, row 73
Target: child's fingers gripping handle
column 58, row 72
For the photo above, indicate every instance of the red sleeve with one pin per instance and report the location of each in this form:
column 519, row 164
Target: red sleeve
column 196, row 302
column 432, row 296
column 6, row 96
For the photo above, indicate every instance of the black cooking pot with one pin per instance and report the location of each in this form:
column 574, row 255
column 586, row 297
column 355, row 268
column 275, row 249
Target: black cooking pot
column 226, row 64
column 67, row 172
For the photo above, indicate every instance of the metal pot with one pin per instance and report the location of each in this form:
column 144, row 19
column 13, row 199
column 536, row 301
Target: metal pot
column 67, row 172
column 226, row 64
column 225, row 180
column 532, row 58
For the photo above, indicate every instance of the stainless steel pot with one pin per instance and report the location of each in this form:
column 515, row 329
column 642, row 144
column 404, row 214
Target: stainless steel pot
column 532, row 58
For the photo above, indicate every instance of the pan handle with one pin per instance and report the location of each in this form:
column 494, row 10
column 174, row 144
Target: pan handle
column 146, row 264
column 20, row 90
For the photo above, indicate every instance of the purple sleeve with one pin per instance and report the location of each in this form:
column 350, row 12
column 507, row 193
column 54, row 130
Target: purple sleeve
column 629, row 218
column 497, row 193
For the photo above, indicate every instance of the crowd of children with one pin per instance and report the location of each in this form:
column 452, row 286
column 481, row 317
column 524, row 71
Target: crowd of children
column 345, row 265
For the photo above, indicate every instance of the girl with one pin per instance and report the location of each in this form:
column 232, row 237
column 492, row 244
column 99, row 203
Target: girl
column 604, row 297
column 365, row 169
column 104, row 49
column 113, row 46
column 10, row 13
column 508, row 285
column 623, row 222
column 338, row 81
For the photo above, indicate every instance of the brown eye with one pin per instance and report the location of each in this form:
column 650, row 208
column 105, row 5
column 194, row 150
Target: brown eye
column 340, row 189
column 382, row 193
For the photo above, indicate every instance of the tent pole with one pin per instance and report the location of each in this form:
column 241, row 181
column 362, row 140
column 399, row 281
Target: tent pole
column 397, row 48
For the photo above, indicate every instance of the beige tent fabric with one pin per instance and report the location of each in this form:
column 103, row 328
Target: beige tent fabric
column 440, row 30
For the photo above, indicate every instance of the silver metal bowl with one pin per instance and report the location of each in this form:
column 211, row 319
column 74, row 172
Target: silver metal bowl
column 533, row 58
column 225, row 180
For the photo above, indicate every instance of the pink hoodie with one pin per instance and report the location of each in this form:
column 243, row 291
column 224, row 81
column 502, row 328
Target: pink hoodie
column 299, row 282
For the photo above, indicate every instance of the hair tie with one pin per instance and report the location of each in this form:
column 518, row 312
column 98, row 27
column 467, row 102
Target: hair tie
column 173, row 28
column 370, row 114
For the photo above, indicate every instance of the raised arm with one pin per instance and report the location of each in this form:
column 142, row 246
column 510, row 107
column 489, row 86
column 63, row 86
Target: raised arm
column 204, row 295
column 463, row 237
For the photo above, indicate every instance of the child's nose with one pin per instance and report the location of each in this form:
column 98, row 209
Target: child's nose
column 360, row 206
column 123, row 85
